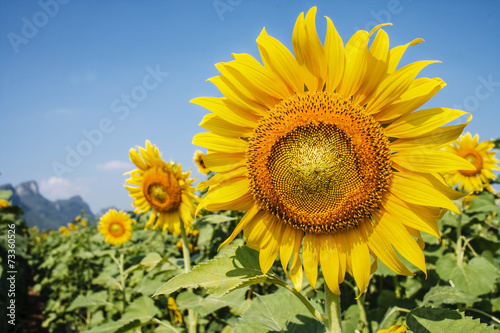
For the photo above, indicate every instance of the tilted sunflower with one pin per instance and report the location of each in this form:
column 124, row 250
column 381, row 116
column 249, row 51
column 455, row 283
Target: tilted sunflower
column 116, row 227
column 162, row 187
column 481, row 156
column 324, row 152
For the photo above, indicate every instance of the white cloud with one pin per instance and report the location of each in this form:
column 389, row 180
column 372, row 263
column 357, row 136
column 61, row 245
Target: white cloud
column 116, row 166
column 61, row 188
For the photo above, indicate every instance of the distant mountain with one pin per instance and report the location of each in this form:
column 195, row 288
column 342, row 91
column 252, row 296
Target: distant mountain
column 41, row 212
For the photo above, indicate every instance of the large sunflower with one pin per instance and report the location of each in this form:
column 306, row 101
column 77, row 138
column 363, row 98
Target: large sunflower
column 324, row 152
column 481, row 156
column 162, row 187
column 116, row 227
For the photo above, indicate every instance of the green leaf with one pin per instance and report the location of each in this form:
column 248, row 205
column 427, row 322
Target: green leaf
column 448, row 295
column 151, row 260
column 484, row 203
column 437, row 320
column 351, row 318
column 214, row 219
column 206, row 305
column 5, row 194
column 139, row 312
column 142, row 309
column 236, row 268
column 88, row 301
column 495, row 304
column 476, row 277
column 445, row 265
column 279, row 312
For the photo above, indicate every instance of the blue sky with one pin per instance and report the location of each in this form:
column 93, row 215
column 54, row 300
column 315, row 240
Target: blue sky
column 81, row 82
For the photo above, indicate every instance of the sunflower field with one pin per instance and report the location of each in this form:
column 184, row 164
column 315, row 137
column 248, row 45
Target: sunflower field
column 331, row 203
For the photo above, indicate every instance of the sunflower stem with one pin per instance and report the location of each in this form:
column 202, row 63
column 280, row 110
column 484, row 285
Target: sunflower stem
column 332, row 311
column 458, row 248
column 192, row 317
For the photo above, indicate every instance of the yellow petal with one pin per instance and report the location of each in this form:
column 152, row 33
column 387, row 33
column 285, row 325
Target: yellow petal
column 224, row 162
column 413, row 216
column 280, row 60
column 360, row 258
column 377, row 59
column 335, row 57
column 223, row 108
column 219, row 126
column 286, row 247
column 401, row 239
column 422, row 122
column 436, row 139
column 355, row 63
column 249, row 216
column 380, row 244
column 235, row 192
column 268, row 254
column 137, row 160
column 329, row 259
column 310, row 257
column 397, row 52
column 419, row 92
column 421, row 160
column 220, row 143
column 412, row 191
column 394, row 85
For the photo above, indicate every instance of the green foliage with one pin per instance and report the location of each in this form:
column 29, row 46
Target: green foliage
column 436, row 320
column 90, row 286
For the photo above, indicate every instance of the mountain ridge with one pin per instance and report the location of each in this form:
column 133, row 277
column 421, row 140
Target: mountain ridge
column 42, row 212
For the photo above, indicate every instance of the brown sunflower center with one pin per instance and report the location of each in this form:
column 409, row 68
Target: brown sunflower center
column 319, row 162
column 162, row 190
column 116, row 229
column 475, row 159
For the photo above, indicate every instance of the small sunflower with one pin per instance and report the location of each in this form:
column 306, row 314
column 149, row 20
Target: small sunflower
column 64, row 230
column 4, row 203
column 116, row 227
column 198, row 160
column 162, row 187
column 483, row 159
column 326, row 154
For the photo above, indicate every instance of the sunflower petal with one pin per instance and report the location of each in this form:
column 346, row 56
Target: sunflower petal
column 431, row 161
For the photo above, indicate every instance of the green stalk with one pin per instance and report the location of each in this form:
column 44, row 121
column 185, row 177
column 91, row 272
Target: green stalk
column 192, row 317
column 458, row 249
column 332, row 311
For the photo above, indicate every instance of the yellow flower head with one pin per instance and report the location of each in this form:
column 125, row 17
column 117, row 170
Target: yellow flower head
column 4, row 203
column 84, row 223
column 483, row 159
column 198, row 160
column 78, row 219
column 325, row 152
column 394, row 329
column 64, row 230
column 162, row 187
column 116, row 227
column 37, row 239
column 173, row 306
column 72, row 226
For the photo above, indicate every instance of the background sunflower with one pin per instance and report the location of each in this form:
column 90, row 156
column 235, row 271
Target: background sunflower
column 162, row 187
column 480, row 154
column 116, row 227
